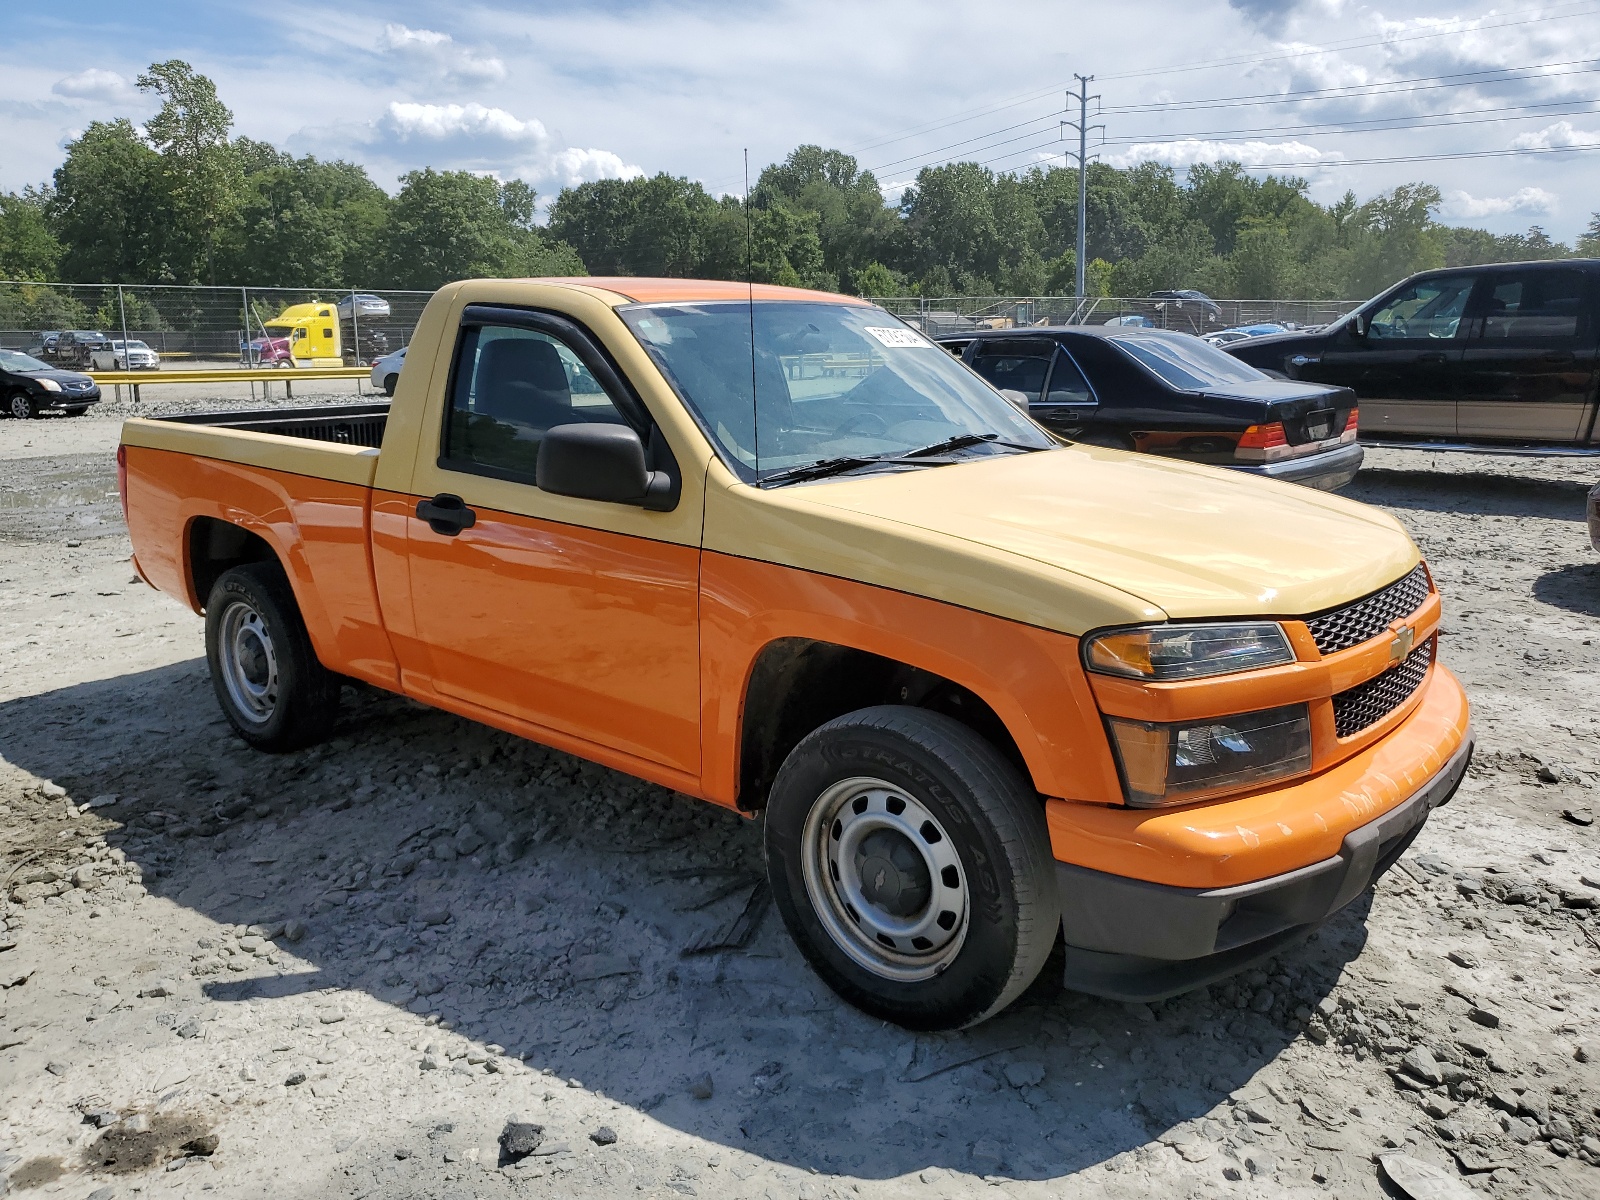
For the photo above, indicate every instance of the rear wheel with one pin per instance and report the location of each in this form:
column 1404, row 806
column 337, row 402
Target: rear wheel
column 21, row 406
column 912, row 866
column 271, row 687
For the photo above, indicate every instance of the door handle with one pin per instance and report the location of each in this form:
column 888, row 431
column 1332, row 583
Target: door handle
column 1431, row 359
column 446, row 514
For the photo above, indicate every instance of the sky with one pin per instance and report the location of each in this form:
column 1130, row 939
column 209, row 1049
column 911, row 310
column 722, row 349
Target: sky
column 1490, row 102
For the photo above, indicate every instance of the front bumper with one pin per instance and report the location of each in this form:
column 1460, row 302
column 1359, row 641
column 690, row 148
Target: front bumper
column 1132, row 940
column 1326, row 470
column 66, row 401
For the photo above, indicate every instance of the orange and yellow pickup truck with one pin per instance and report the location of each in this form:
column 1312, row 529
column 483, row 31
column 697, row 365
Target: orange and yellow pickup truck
column 774, row 549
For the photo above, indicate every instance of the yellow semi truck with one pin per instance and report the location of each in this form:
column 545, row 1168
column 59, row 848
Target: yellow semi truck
column 302, row 335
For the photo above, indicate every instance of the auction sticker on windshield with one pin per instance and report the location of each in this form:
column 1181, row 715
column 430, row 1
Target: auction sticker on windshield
column 897, row 337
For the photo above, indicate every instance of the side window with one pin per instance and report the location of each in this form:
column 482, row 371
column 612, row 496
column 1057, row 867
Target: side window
column 1429, row 308
column 1534, row 304
column 1015, row 365
column 1067, row 384
column 510, row 385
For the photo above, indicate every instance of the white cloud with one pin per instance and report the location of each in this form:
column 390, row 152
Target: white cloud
column 441, row 55
column 1466, row 206
column 1555, row 136
column 457, row 122
column 1185, row 152
column 475, row 137
column 95, row 84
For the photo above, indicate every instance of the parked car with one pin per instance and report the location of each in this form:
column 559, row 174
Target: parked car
column 386, row 371
column 990, row 691
column 1187, row 308
column 31, row 388
column 1501, row 354
column 362, row 305
column 75, row 347
column 43, row 346
column 1171, row 394
column 1134, row 321
column 132, row 355
column 1239, row 333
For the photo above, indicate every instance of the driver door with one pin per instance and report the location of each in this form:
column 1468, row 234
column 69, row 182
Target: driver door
column 1406, row 366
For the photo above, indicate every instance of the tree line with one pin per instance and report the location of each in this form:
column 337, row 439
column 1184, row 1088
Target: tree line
column 181, row 200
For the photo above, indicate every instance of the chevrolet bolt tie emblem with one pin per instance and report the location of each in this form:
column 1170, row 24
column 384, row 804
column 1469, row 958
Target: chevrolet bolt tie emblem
column 1404, row 637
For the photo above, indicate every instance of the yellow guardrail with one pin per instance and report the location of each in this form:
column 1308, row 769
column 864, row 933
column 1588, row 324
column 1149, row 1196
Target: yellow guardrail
column 233, row 375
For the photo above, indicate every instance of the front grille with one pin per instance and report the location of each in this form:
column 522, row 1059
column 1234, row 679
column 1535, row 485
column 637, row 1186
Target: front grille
column 1367, row 703
column 1371, row 615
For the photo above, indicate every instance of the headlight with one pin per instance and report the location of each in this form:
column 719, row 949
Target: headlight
column 49, row 385
column 1161, row 652
column 1174, row 764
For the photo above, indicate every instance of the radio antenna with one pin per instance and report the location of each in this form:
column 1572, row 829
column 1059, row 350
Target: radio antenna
column 750, row 303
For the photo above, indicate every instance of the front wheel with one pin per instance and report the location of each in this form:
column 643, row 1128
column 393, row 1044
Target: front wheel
column 912, row 866
column 21, row 406
column 271, row 687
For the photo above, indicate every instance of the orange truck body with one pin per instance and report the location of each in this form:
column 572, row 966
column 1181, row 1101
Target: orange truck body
column 635, row 639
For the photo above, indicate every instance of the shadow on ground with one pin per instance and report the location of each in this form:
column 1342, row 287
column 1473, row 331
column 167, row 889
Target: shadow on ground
column 1575, row 587
column 561, row 937
column 1470, row 492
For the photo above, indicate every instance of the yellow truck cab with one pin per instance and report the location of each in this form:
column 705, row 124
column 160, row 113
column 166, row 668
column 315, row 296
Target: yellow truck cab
column 304, row 335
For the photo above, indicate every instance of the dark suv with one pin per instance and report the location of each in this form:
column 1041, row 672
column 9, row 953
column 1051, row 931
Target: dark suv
column 1498, row 354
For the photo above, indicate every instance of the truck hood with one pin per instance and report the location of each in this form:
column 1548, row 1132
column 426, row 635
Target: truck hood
column 1190, row 540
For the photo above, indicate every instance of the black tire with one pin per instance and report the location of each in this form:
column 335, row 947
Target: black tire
column 20, row 405
column 993, row 824
column 271, row 687
column 389, row 382
column 76, row 412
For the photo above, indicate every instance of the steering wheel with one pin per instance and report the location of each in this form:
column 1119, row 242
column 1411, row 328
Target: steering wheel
column 863, row 418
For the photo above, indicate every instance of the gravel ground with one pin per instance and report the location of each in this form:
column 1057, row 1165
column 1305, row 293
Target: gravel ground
column 350, row 971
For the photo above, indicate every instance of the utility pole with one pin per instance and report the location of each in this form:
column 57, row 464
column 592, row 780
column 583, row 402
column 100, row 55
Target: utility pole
column 1083, row 128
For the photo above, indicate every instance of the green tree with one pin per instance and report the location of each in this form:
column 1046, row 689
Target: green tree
column 448, row 225
column 202, row 169
column 305, row 223
column 28, row 250
column 109, row 208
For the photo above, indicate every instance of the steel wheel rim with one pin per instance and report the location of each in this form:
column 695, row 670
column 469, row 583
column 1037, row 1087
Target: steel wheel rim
column 867, row 847
column 20, row 407
column 249, row 662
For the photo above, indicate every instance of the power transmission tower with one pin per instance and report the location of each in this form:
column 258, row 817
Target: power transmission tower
column 1083, row 128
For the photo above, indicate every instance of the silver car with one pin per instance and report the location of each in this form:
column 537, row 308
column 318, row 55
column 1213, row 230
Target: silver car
column 386, row 371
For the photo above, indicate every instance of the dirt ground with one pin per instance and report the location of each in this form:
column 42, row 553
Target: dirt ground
column 341, row 973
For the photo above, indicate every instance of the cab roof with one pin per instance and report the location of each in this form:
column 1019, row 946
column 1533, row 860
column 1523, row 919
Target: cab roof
column 631, row 289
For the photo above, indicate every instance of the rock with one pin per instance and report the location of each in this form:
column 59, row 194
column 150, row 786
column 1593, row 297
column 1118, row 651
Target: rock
column 1579, row 816
column 293, row 931
column 1263, row 1001
column 1535, row 1104
column 295, row 1080
column 700, row 1087
column 52, row 791
column 189, row 1029
column 434, row 916
column 467, row 841
column 160, row 989
column 56, row 1067
column 518, row 1140
column 1438, row 1108
column 203, row 1146
column 1420, row 1180
column 1486, row 1017
column 1024, row 1074
column 604, row 1136
column 103, row 1193
column 430, row 1061
column 1420, row 1064
column 1462, row 959
column 104, row 801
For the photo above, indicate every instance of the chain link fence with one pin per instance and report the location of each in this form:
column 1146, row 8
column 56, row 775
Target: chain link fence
column 205, row 326
column 942, row 315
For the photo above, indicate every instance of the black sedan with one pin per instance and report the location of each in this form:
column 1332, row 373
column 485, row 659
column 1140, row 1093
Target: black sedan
column 30, row 388
column 1170, row 394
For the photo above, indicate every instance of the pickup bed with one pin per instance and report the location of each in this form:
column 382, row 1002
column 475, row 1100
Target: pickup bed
column 774, row 549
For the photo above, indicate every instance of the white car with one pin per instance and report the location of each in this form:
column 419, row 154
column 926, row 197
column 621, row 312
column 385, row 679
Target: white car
column 125, row 356
column 386, row 371
column 364, row 305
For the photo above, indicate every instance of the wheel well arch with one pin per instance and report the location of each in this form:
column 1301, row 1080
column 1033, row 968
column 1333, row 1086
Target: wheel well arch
column 215, row 546
column 796, row 684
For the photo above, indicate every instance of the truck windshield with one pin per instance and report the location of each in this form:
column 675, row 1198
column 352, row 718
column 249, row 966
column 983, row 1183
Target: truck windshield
column 1185, row 362
column 823, row 382
column 278, row 331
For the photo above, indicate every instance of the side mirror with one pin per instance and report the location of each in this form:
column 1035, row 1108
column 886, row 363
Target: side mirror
column 600, row 462
column 1356, row 327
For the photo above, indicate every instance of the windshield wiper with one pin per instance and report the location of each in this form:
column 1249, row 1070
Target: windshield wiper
column 824, row 467
column 960, row 442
